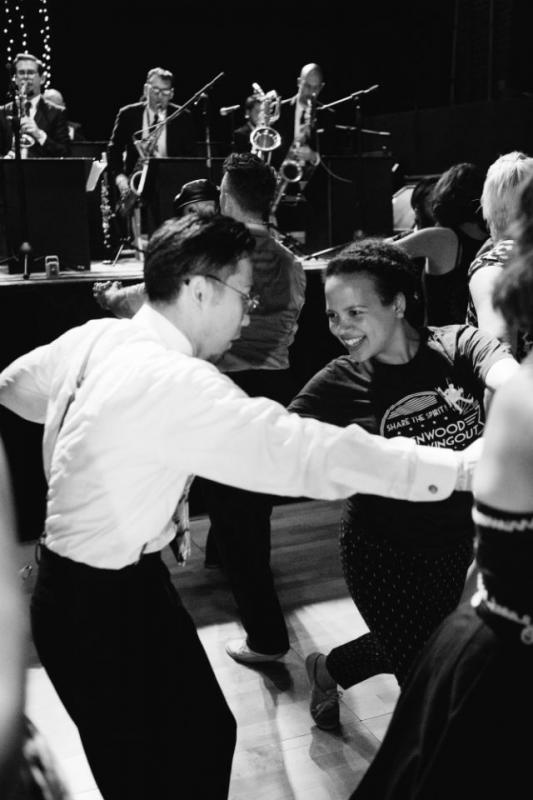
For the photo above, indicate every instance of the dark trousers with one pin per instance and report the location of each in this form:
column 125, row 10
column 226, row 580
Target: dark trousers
column 402, row 594
column 240, row 533
column 126, row 661
column 240, row 527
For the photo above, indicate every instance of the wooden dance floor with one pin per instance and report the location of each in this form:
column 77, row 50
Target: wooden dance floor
column 281, row 755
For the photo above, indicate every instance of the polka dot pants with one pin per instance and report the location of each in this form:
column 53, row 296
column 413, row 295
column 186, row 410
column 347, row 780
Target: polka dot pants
column 402, row 594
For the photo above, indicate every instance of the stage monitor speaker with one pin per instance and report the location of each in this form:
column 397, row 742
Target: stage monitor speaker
column 164, row 179
column 56, row 210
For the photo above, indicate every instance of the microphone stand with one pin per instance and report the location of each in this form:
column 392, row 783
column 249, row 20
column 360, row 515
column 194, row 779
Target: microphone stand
column 359, row 132
column 357, row 128
column 201, row 94
column 204, row 98
column 232, row 123
column 193, row 100
column 24, row 258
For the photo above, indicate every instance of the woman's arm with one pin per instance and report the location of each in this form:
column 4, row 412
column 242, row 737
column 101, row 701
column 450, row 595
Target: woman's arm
column 439, row 246
column 481, row 287
column 123, row 301
column 504, row 474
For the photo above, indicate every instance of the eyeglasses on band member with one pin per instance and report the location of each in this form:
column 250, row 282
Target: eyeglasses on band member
column 158, row 92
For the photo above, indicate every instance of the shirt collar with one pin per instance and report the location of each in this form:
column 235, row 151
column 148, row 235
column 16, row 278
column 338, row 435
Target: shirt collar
column 172, row 337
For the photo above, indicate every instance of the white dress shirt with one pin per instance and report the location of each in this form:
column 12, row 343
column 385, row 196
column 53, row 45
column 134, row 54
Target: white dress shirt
column 160, row 150
column 148, row 414
column 32, row 109
column 299, row 124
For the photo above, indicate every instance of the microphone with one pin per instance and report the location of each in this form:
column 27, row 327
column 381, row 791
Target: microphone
column 203, row 96
column 225, row 110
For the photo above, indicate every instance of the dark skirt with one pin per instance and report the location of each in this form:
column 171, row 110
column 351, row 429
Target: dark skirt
column 457, row 730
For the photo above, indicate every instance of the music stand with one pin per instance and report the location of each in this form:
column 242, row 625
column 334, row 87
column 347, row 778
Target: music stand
column 86, row 149
column 56, row 205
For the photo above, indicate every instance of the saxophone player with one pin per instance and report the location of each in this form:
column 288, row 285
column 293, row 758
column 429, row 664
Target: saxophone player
column 43, row 125
column 297, row 123
column 175, row 139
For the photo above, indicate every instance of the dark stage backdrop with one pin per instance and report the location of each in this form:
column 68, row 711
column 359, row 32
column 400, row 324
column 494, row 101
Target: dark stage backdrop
column 102, row 50
column 422, row 54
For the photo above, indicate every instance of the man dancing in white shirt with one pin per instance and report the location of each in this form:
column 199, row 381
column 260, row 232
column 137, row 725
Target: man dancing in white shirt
column 131, row 409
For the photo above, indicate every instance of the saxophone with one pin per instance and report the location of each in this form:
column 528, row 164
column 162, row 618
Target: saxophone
column 145, row 147
column 298, row 166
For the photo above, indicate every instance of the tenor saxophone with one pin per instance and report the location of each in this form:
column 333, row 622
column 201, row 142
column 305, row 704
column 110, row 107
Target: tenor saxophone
column 295, row 167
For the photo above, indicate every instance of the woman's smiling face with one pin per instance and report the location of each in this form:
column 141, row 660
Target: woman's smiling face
column 357, row 316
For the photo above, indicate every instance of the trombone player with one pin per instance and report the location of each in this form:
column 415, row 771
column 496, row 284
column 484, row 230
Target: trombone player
column 175, row 139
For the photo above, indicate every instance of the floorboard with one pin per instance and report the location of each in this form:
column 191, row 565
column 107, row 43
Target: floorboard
column 281, row 754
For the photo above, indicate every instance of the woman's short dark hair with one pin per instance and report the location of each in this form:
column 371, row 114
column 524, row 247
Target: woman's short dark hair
column 197, row 244
column 457, row 195
column 513, row 292
column 390, row 268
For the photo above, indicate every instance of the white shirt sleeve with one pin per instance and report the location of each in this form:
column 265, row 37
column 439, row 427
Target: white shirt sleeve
column 25, row 384
column 254, row 443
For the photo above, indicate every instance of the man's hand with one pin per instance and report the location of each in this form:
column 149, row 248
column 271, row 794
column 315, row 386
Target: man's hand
column 29, row 127
column 306, row 153
column 468, row 459
column 105, row 293
column 122, row 184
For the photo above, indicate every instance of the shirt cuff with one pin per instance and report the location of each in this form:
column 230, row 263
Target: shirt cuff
column 42, row 137
column 436, row 471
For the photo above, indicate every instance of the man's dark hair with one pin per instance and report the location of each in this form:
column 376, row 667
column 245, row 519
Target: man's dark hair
column 27, row 57
column 457, row 195
column 197, row 244
column 390, row 269
column 252, row 182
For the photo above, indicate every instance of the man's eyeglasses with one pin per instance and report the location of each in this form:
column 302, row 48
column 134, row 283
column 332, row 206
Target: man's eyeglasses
column 158, row 92
column 249, row 302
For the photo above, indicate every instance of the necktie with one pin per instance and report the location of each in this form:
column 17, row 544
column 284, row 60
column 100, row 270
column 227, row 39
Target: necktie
column 27, row 108
column 155, row 151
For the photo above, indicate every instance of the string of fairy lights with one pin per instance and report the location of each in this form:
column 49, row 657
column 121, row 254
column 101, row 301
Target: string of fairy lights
column 26, row 28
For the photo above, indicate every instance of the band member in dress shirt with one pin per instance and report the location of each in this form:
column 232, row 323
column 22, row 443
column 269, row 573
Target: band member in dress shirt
column 175, row 139
column 43, row 124
column 294, row 124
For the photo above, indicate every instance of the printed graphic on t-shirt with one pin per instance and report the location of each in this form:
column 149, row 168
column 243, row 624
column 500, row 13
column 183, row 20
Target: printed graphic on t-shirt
column 438, row 417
